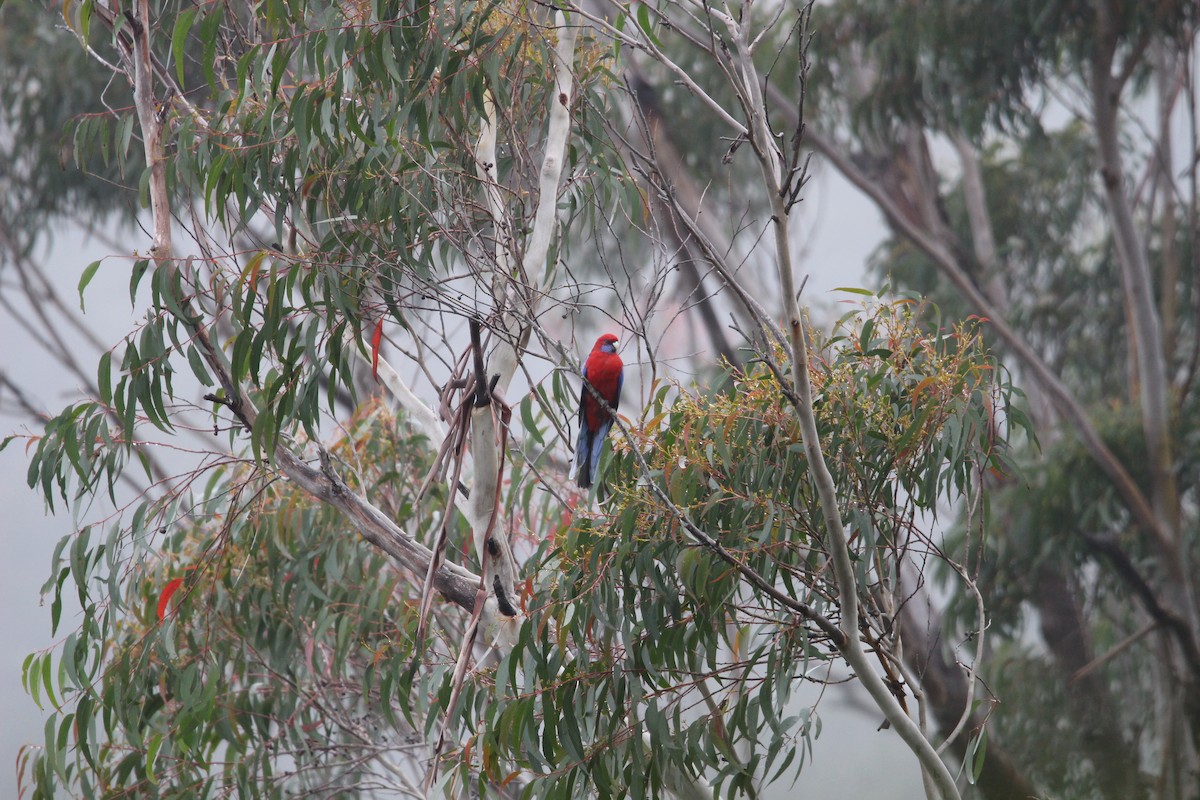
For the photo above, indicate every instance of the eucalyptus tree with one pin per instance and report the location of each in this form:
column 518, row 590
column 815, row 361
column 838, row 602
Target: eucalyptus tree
column 1036, row 164
column 396, row 591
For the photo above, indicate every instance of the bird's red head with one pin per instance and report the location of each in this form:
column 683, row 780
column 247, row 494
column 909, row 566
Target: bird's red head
column 607, row 343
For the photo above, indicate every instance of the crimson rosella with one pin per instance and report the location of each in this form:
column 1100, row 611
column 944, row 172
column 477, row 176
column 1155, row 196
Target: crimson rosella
column 606, row 374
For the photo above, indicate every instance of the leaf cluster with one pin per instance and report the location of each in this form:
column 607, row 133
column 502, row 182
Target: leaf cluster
column 238, row 640
column 646, row 648
column 50, row 90
column 966, row 66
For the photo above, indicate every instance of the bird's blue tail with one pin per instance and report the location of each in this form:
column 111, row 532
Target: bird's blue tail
column 587, row 453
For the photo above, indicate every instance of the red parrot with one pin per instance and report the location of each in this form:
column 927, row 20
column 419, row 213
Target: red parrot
column 606, row 374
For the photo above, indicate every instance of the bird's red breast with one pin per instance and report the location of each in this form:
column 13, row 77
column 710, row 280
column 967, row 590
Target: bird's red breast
column 604, row 371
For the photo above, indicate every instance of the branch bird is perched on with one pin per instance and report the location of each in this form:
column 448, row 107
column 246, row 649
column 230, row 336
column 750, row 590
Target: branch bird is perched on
column 606, row 374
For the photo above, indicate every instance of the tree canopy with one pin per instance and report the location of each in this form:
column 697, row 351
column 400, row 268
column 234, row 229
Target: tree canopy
column 374, row 236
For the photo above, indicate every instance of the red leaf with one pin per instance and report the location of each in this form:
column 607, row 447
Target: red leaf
column 527, row 593
column 376, row 338
column 165, row 598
